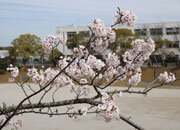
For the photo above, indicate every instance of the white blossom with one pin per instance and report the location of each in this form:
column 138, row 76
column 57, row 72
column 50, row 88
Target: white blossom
column 109, row 110
column 14, row 72
column 84, row 110
column 112, row 60
column 135, row 79
column 167, row 78
column 127, row 18
column 104, row 36
column 51, row 41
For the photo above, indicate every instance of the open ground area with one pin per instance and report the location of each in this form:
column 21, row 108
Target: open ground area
column 148, row 74
column 159, row 110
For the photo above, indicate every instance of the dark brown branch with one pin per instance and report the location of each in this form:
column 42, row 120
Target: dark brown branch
column 52, row 104
column 130, row 122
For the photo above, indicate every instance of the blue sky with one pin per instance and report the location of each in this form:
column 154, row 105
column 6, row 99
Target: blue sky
column 41, row 17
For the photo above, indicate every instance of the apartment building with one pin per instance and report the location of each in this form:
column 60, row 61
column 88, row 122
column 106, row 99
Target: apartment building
column 156, row 31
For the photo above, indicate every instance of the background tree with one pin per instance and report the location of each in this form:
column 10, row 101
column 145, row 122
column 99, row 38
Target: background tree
column 76, row 40
column 26, row 45
column 161, row 50
column 124, row 37
column 160, row 43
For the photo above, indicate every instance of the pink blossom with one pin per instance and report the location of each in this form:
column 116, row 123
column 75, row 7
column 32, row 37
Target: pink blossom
column 109, row 110
column 51, row 41
column 17, row 124
column 104, row 36
column 129, row 18
column 167, row 78
column 110, row 73
column 135, row 79
column 112, row 60
column 95, row 63
column 80, row 52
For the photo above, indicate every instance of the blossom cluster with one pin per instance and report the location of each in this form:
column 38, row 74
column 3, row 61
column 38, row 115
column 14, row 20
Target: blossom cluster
column 80, row 52
column 128, row 18
column 104, row 36
column 141, row 51
column 95, row 63
column 112, row 60
column 82, row 67
column 51, row 41
column 78, row 68
column 133, row 60
column 14, row 72
column 135, row 79
column 167, row 78
column 84, row 110
column 16, row 124
column 47, row 75
column 108, row 109
column 110, row 73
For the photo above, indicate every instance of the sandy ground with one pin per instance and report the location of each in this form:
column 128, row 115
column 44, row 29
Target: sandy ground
column 160, row 110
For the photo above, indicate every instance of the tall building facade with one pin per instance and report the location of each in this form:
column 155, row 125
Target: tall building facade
column 156, row 31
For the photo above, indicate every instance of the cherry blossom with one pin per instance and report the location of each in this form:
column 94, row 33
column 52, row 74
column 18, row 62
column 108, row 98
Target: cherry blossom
column 14, row 72
column 16, row 123
column 95, row 63
column 104, row 36
column 51, row 41
column 84, row 110
column 109, row 110
column 80, row 52
column 166, row 78
column 45, row 76
column 127, row 18
column 135, row 79
column 112, row 60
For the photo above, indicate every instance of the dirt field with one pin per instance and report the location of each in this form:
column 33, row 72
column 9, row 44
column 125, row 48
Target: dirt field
column 148, row 74
column 160, row 110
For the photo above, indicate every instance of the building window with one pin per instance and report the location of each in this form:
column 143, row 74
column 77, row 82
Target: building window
column 172, row 31
column 85, row 33
column 141, row 32
column 156, row 31
column 156, row 58
column 172, row 59
column 70, row 34
column 176, row 44
column 169, row 46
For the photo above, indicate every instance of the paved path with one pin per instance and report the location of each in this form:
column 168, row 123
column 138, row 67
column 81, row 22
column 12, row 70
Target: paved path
column 160, row 110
